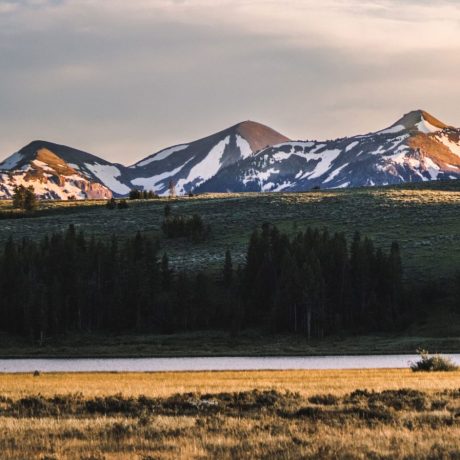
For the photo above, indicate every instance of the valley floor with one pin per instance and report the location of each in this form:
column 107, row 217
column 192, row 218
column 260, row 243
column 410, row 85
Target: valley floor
column 264, row 414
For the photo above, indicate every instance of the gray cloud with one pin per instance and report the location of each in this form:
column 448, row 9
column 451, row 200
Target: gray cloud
column 123, row 79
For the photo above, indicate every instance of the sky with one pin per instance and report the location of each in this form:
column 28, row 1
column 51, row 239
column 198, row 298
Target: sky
column 123, row 79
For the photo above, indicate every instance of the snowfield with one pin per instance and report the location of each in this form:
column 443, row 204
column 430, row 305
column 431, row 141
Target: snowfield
column 161, row 155
column 206, row 168
column 152, row 183
column 108, row 174
column 243, row 145
column 325, row 162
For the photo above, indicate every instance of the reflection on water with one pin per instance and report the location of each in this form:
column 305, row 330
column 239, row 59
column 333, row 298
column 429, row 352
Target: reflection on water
column 211, row 364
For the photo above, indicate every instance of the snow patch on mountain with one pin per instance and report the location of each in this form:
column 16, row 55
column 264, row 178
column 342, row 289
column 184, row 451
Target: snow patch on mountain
column 281, row 156
column 335, row 173
column 299, row 144
column 206, row 168
column 317, row 148
column 397, row 141
column 432, row 168
column 351, row 146
column 45, row 189
column 426, row 127
column 162, row 154
column 108, row 175
column 392, row 130
column 344, row 185
column 283, row 186
column 243, row 145
column 325, row 162
column 151, row 183
column 260, row 176
column 452, row 146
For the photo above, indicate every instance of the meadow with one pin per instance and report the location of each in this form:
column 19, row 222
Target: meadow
column 378, row 414
column 441, row 336
column 423, row 218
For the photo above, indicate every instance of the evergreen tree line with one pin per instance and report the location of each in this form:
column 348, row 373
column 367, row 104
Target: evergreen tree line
column 68, row 282
column 314, row 284
column 136, row 194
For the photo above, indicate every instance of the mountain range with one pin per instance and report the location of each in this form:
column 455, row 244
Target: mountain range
column 248, row 156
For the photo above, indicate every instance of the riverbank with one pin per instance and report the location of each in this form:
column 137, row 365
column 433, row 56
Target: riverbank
column 217, row 344
column 278, row 414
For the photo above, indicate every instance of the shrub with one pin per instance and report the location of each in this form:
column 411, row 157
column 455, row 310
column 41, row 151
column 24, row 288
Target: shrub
column 122, row 204
column 183, row 226
column 432, row 363
column 111, row 204
column 325, row 400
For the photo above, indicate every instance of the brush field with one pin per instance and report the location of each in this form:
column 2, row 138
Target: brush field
column 424, row 218
column 379, row 414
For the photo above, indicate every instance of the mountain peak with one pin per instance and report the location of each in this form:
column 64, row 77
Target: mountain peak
column 421, row 121
column 258, row 135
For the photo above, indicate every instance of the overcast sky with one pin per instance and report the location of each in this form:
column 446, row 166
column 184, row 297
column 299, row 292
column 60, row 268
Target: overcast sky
column 124, row 78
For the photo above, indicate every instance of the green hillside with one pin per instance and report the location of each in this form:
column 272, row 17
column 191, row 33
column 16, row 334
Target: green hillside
column 425, row 219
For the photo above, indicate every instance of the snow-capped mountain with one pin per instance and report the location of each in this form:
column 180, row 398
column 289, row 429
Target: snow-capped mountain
column 246, row 157
column 418, row 147
column 49, row 168
column 57, row 171
column 190, row 165
column 86, row 175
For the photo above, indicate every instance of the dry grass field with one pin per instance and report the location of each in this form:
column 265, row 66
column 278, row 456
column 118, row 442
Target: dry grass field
column 378, row 414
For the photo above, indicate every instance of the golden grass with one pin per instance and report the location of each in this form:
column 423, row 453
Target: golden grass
column 162, row 384
column 262, row 432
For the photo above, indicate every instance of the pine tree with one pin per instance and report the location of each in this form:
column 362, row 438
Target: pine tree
column 228, row 270
column 24, row 198
column 183, row 302
column 166, row 273
column 111, row 204
column 30, row 199
column 396, row 281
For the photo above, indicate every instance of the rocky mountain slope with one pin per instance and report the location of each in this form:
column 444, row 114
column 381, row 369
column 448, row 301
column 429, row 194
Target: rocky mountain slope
column 418, row 147
column 49, row 169
column 246, row 157
column 58, row 171
column 190, row 165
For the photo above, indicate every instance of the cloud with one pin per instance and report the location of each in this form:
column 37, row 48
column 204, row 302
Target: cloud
column 122, row 79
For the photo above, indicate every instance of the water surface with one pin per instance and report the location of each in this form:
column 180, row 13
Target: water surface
column 210, row 364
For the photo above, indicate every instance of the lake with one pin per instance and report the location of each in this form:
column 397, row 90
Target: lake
column 209, row 363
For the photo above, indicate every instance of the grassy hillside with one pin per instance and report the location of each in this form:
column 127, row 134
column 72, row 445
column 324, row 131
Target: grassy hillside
column 425, row 219
column 220, row 343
